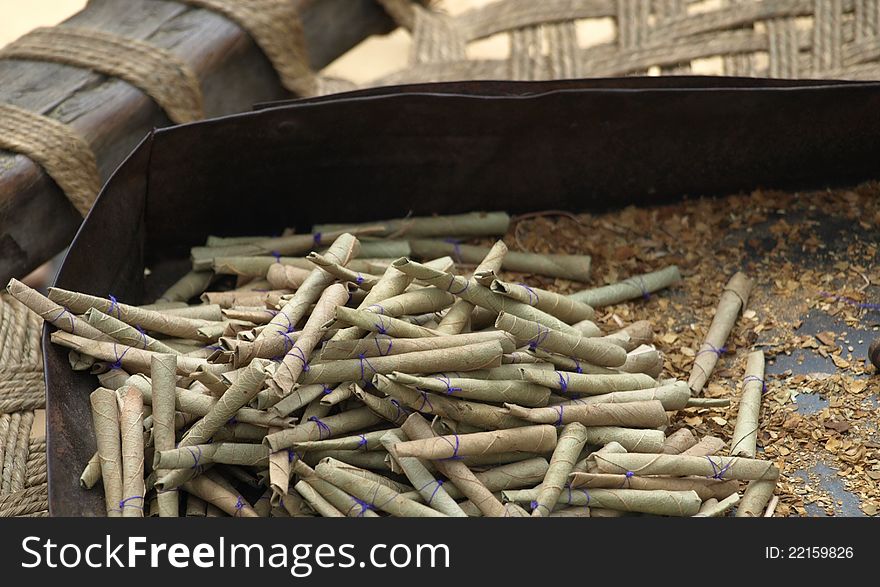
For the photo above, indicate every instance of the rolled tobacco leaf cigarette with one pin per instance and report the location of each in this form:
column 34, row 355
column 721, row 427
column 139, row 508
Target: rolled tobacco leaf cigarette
column 372, row 495
column 192, row 284
column 458, row 318
column 163, row 372
column 189, row 457
column 745, row 433
column 91, row 473
column 678, row 442
column 708, row 445
column 532, row 439
column 733, row 299
column 321, row 505
column 657, row 502
column 674, row 396
column 315, row 428
column 645, row 414
column 566, row 309
column 381, row 324
column 295, row 244
column 469, row 224
column 571, row 441
column 755, row 498
column 589, row 384
column 380, row 346
column 127, row 335
column 366, row 441
column 105, row 417
column 714, row 467
column 705, row 488
column 537, row 335
column 417, row 428
column 574, row 267
column 713, row 508
column 362, row 280
column 131, row 409
column 628, row 289
column 55, row 314
column 222, row 497
column 487, row 390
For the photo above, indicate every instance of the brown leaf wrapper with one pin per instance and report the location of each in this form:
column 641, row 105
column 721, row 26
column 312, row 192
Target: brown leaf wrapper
column 430, row 489
column 572, row 364
column 571, row 441
column 242, row 391
column 381, row 346
column 132, row 360
column 713, row 508
column 105, row 417
column 374, row 460
column 596, row 351
column 420, row 301
column 199, row 404
column 341, row 393
column 645, row 360
column 589, row 384
column 755, row 498
column 127, row 335
column 296, row 268
column 629, row 289
column 131, row 424
column 416, row 427
column 369, row 475
column 487, row 390
column 708, row 445
column 678, row 442
column 572, row 512
column 321, row 428
column 279, row 472
column 286, row 276
column 228, row 299
column 317, row 501
column 190, row 457
column 532, row 439
column 387, row 408
column 519, row 358
column 672, row 397
column 195, row 506
column 299, row 397
column 467, row 358
column 633, row 336
column 745, row 433
column 91, row 473
column 252, row 314
column 717, row 467
column 341, row 500
column 364, row 281
column 566, row 309
column 656, row 502
column 478, row 295
column 163, row 370
column 240, row 432
column 458, row 318
column 187, row 287
column 209, row 312
column 385, row 326
column 150, row 320
column 374, row 496
column 468, row 224
column 294, row 244
column 296, row 359
column 366, row 441
column 647, row 414
column 705, row 488
column 574, row 267
column 589, row 465
column 215, row 494
column 733, row 299
column 55, row 314
column 632, row 439
column 477, row 414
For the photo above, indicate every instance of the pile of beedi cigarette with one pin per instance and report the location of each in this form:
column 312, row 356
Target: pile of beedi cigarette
column 356, row 381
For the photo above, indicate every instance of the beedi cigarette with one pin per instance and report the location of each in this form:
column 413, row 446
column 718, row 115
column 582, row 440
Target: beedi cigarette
column 163, row 372
column 381, row 324
column 571, row 441
column 678, row 442
column 192, row 284
column 229, row 453
column 532, row 439
column 674, row 396
column 105, row 417
column 589, row 384
column 574, row 267
column 745, row 433
column 657, row 502
column 321, row 505
column 216, row 494
column 713, row 508
column 707, row 446
column 131, row 424
column 705, row 488
column 715, row 467
column 381, row 346
column 566, row 309
column 127, row 335
column 641, row 414
column 598, row 352
column 458, row 318
column 629, row 289
column 429, row 487
column 366, row 441
column 733, row 300
column 416, row 427
column 91, row 473
column 315, row 428
column 755, row 498
column 469, row 224
column 518, row 392
column 55, row 314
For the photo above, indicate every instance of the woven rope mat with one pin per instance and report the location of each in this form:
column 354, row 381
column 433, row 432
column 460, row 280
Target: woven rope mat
column 23, row 486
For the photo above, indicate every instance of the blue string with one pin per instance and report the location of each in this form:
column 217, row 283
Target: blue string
column 239, row 505
column 639, row 283
column 124, row 503
column 325, row 389
column 64, row 310
column 543, row 333
column 425, row 401
column 445, row 380
column 439, row 483
column 118, row 363
column 559, row 420
column 196, row 457
column 379, row 347
column 364, row 361
column 533, row 297
column 717, row 471
column 359, row 279
column 113, row 305
column 322, row 427
column 401, row 411
column 298, row 353
column 362, row 442
column 291, row 456
column 626, row 481
column 364, row 506
column 380, row 327
column 564, row 380
column 277, row 256
column 316, row 239
column 143, row 334
column 454, row 456
column 756, row 378
column 456, row 249
column 452, row 282
column 713, row 349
